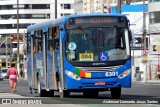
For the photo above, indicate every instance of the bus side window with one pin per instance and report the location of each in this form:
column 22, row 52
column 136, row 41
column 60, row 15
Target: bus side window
column 56, row 45
column 35, row 42
column 35, row 49
column 39, row 41
column 50, row 39
column 56, row 38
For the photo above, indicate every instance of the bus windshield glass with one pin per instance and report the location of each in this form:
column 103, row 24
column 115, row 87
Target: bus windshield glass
column 97, row 44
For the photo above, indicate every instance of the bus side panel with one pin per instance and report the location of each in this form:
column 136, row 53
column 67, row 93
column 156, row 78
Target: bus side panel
column 38, row 69
column 49, row 70
column 56, row 61
column 29, row 73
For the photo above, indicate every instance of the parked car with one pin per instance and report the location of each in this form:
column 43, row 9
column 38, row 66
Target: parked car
column 3, row 73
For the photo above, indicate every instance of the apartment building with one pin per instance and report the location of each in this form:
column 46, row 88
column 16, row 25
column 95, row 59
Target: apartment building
column 30, row 12
column 154, row 31
column 98, row 6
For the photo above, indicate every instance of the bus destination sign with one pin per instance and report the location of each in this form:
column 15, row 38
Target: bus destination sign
column 86, row 20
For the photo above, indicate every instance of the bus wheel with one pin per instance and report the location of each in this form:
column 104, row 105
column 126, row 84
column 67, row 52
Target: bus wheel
column 116, row 93
column 41, row 92
column 90, row 93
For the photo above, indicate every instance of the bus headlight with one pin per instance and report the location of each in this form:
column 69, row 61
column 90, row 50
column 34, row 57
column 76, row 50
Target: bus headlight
column 123, row 74
column 72, row 75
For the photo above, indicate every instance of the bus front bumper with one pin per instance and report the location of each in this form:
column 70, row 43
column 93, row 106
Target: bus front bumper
column 105, row 83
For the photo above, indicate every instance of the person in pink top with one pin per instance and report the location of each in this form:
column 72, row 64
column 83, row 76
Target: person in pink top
column 13, row 74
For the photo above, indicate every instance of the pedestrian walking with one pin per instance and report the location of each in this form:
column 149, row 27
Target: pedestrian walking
column 158, row 71
column 137, row 76
column 21, row 73
column 13, row 74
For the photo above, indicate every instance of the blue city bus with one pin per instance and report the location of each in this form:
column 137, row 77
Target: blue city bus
column 86, row 53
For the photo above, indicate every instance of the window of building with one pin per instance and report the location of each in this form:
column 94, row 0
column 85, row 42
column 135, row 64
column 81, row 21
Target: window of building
column 26, row 16
column 154, row 17
column 40, row 6
column 66, row 14
column 38, row 16
column 13, row 26
column 105, row 7
column 67, row 6
column 6, row 7
column 27, row 6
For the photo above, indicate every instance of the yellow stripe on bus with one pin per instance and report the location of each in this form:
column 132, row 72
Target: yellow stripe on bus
column 88, row 75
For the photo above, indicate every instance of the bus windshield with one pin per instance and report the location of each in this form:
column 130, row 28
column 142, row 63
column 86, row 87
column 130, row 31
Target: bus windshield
column 97, row 44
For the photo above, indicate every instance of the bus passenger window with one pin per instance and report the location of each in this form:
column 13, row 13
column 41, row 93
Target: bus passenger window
column 50, row 39
column 56, row 45
column 35, row 49
column 39, row 47
column 56, row 38
column 35, row 42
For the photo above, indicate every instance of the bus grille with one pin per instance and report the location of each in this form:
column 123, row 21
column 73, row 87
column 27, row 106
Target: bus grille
column 99, row 69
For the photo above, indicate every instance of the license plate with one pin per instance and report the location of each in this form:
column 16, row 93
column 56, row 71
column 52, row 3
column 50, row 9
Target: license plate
column 99, row 83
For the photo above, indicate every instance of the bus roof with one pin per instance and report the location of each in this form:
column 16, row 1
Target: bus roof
column 39, row 25
column 63, row 20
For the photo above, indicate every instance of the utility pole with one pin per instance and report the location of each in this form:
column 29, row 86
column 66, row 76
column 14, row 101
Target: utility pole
column 18, row 36
column 6, row 52
column 55, row 9
column 144, row 49
column 119, row 6
column 144, row 25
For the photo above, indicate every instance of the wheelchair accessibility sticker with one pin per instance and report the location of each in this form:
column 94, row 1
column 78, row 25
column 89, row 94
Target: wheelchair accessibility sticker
column 104, row 56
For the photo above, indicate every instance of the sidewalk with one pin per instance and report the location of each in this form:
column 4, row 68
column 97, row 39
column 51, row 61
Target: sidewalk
column 152, row 82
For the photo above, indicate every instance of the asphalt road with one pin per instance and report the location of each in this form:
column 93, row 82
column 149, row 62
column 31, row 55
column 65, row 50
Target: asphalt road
column 138, row 91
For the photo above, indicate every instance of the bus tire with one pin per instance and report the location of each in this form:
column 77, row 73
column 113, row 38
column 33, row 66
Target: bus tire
column 116, row 93
column 41, row 92
column 66, row 93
